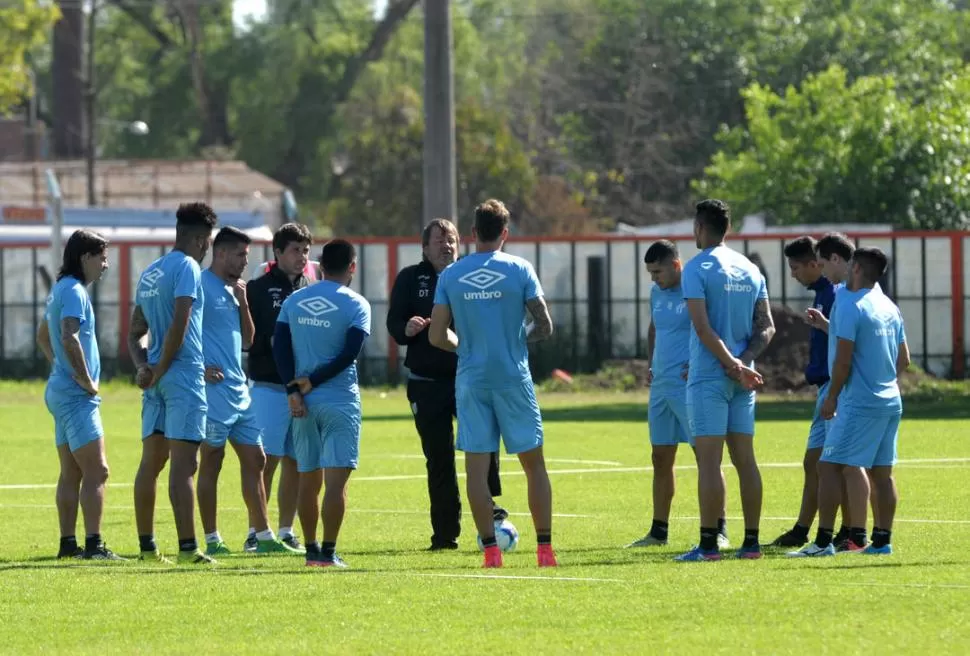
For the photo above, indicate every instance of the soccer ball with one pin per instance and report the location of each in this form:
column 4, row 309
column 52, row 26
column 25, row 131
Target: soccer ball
column 506, row 535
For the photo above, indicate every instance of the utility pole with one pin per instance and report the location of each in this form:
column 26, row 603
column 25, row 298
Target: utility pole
column 90, row 93
column 440, row 184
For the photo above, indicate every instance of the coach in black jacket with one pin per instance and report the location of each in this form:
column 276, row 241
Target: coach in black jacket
column 431, row 381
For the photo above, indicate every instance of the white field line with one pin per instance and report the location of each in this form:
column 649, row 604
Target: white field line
column 566, row 461
column 558, row 472
column 897, row 520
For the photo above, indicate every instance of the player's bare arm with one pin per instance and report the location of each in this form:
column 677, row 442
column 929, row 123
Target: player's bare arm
column 71, row 341
column 246, row 322
column 817, row 320
column 542, row 322
column 137, row 331
column 651, row 344
column 175, row 336
column 439, row 333
column 763, row 329
column 841, row 368
column 710, row 339
column 44, row 341
column 903, row 359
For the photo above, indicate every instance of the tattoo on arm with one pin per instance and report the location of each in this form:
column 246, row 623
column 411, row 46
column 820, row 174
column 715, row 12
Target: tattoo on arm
column 44, row 341
column 651, row 341
column 763, row 325
column 70, row 327
column 136, row 336
column 540, row 315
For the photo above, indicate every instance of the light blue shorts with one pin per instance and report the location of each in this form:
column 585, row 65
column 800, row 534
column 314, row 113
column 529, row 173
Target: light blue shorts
column 667, row 417
column 488, row 417
column 241, row 428
column 328, row 437
column 816, row 434
column 77, row 419
column 273, row 417
column 861, row 440
column 175, row 407
column 718, row 407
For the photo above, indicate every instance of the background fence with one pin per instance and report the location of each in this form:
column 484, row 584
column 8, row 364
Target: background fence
column 596, row 287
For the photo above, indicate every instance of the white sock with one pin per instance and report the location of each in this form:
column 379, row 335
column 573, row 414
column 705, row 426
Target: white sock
column 213, row 538
column 252, row 532
column 285, row 531
column 266, row 535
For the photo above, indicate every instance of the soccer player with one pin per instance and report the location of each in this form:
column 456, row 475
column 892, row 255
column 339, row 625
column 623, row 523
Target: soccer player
column 266, row 293
column 172, row 374
column 806, row 269
column 227, row 327
column 68, row 339
column 865, row 407
column 731, row 325
column 668, row 350
column 319, row 335
column 487, row 294
column 431, row 381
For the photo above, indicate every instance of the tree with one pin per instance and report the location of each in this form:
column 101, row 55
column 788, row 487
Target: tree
column 22, row 28
column 860, row 152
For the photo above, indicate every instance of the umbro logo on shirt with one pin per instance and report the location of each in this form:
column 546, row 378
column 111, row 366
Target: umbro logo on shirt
column 482, row 279
column 149, row 283
column 315, row 307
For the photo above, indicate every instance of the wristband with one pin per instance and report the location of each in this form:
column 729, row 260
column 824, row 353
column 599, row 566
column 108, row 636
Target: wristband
column 292, row 388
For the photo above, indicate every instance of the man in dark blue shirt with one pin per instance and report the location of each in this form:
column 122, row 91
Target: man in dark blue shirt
column 807, row 270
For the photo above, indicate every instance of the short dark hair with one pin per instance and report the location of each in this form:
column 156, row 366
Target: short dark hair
column 194, row 218
column 715, row 215
column 230, row 236
column 801, row 249
column 81, row 243
column 835, row 243
column 491, row 218
column 873, row 262
column 444, row 225
column 336, row 256
column 289, row 233
column 661, row 251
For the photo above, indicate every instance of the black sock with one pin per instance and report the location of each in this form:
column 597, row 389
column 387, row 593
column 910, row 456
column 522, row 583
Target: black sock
column 312, row 548
column 327, row 549
column 544, row 538
column 842, row 534
column 800, row 532
column 824, row 537
column 709, row 539
column 69, row 543
column 750, row 538
column 659, row 529
column 92, row 542
column 489, row 542
column 147, row 543
column 858, row 535
column 722, row 527
column 881, row 537
column 188, row 544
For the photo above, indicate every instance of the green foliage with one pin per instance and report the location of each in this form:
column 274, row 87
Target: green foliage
column 857, row 152
column 23, row 26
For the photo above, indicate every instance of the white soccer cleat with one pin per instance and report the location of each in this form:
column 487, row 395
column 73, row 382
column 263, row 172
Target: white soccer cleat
column 812, row 550
column 723, row 542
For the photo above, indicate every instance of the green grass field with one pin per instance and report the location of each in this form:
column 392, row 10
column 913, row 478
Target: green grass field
column 397, row 598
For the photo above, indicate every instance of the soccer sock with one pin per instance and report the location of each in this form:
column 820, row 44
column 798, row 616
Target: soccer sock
column 328, row 549
column 312, row 549
column 858, row 535
column 881, row 537
column 188, row 545
column 213, row 538
column 842, row 534
column 489, row 542
column 823, row 538
column 69, row 543
column 92, row 541
column 265, row 536
column 659, row 529
column 800, row 532
column 147, row 543
column 722, row 527
column 285, row 531
column 709, row 539
column 543, row 538
column 750, row 538
column 251, row 533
